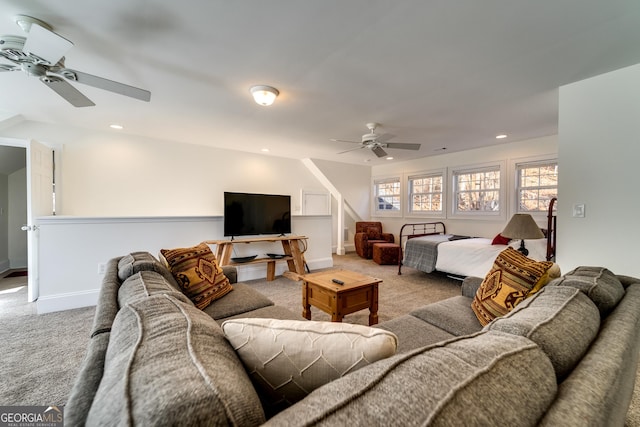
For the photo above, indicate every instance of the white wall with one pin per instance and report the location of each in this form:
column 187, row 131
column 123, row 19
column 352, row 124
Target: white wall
column 599, row 147
column 509, row 153
column 353, row 182
column 107, row 176
column 17, row 218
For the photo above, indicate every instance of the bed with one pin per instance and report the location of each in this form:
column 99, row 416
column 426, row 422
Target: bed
column 428, row 247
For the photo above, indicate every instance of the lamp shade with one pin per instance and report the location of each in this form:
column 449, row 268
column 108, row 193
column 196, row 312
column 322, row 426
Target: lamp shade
column 522, row 226
column 264, row 95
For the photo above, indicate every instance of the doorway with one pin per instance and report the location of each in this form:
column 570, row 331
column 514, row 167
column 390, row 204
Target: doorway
column 13, row 208
column 39, row 201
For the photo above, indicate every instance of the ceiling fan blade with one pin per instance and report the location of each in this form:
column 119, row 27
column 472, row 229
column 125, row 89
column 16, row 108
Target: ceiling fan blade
column 7, row 67
column 352, row 149
column 46, row 44
column 344, row 140
column 68, row 92
column 379, row 151
column 403, row 146
column 105, row 84
column 384, row 137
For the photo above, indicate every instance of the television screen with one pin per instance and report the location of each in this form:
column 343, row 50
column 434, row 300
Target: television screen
column 248, row 214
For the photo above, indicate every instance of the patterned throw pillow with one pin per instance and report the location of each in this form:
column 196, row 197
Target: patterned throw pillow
column 510, row 281
column 287, row 359
column 197, row 272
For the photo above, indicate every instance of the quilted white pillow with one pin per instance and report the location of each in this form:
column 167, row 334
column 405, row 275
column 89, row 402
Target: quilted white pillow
column 287, row 359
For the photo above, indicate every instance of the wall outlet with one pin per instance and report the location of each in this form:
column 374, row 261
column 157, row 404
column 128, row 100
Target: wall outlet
column 102, row 268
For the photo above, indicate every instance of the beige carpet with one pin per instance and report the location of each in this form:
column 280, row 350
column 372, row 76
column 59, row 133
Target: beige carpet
column 40, row 354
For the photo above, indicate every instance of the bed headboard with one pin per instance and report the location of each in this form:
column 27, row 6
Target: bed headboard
column 409, row 231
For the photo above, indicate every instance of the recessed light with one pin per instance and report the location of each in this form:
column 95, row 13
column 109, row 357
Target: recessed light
column 116, row 126
column 265, row 150
column 501, row 136
column 389, row 158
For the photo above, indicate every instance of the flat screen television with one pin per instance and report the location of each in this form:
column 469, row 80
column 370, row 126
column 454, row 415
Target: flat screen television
column 247, row 214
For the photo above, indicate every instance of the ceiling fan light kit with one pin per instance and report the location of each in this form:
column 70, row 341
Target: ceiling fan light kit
column 264, row 95
column 41, row 54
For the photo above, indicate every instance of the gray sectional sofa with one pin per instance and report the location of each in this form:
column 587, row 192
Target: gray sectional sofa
column 565, row 356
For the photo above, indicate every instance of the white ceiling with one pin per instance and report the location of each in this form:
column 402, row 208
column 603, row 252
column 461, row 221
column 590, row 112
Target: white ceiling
column 446, row 74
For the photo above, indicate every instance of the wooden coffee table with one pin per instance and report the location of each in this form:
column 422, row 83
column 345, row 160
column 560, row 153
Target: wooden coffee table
column 357, row 293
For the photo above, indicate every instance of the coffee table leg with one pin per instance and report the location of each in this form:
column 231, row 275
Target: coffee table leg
column 306, row 307
column 373, row 308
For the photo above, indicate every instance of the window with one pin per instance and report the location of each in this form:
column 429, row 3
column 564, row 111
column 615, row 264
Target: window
column 477, row 191
column 537, row 184
column 387, row 195
column 426, row 193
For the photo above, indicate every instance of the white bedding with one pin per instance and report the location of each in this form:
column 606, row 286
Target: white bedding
column 475, row 256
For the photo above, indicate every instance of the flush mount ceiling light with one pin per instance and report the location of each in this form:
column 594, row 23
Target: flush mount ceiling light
column 264, row 95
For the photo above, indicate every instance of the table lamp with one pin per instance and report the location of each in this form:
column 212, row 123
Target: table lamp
column 522, row 226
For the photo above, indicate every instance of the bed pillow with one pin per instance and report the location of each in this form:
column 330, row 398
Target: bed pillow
column 500, row 240
column 287, row 359
column 510, row 281
column 198, row 274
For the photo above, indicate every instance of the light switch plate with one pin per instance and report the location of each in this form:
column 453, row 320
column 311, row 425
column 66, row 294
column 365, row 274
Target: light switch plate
column 578, row 210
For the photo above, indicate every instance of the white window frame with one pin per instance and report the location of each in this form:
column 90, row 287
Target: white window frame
column 376, row 212
column 478, row 168
column 442, row 213
column 525, row 163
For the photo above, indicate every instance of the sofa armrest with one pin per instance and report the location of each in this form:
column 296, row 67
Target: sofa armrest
column 470, row 286
column 388, row 237
column 627, row 280
column 231, row 272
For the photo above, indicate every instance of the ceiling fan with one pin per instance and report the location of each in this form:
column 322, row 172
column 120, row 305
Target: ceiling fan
column 378, row 142
column 41, row 55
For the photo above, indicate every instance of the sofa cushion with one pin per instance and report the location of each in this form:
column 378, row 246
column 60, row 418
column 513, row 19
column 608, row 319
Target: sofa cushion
column 509, row 281
column 561, row 320
column 453, row 315
column 598, row 283
column 243, row 299
column 144, row 284
column 373, row 233
column 413, row 332
column 197, row 273
column 491, row 378
column 288, row 359
column 168, row 363
column 269, row 312
column 135, row 262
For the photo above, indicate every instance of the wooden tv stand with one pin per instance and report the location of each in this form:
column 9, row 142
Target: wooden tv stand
column 293, row 254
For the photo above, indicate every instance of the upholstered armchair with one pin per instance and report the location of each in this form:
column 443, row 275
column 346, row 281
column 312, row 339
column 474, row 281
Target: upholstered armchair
column 368, row 233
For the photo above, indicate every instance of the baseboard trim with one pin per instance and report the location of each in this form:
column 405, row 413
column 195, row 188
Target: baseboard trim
column 67, row 301
column 4, row 265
